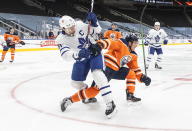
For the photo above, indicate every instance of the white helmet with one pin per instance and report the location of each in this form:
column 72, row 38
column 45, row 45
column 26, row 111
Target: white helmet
column 66, row 22
column 157, row 23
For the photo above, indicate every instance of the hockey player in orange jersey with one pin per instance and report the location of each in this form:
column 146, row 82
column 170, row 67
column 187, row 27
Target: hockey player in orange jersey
column 113, row 32
column 120, row 52
column 11, row 38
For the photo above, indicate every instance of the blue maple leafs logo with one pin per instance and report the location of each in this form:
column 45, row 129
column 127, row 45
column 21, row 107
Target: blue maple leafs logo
column 83, row 42
column 157, row 38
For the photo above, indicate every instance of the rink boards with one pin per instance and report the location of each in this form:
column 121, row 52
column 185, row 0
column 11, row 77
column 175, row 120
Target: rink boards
column 45, row 45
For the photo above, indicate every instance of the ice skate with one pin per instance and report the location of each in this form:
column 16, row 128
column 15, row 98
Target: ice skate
column 157, row 66
column 65, row 103
column 147, row 67
column 131, row 97
column 111, row 110
column 90, row 100
column 11, row 61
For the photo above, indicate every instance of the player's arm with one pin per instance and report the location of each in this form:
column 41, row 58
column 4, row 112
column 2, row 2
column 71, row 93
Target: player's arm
column 119, row 35
column 165, row 37
column 16, row 39
column 104, row 44
column 139, row 75
column 67, row 53
column 133, row 64
column 106, row 34
column 93, row 22
column 148, row 38
column 109, row 44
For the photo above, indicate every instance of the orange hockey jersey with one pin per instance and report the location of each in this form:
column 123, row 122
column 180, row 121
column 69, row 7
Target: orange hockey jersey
column 11, row 38
column 112, row 34
column 118, row 55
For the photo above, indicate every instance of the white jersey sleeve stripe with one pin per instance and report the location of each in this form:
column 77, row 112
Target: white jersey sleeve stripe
column 64, row 52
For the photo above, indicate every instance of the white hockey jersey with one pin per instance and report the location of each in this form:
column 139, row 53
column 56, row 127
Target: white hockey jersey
column 156, row 38
column 68, row 45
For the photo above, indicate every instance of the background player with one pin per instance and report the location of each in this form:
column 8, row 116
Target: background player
column 155, row 38
column 76, row 43
column 113, row 32
column 11, row 38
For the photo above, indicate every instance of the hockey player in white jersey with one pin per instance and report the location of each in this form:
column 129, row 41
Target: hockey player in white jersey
column 154, row 39
column 77, row 43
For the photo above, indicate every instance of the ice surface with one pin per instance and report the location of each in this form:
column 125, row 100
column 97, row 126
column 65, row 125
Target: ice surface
column 32, row 87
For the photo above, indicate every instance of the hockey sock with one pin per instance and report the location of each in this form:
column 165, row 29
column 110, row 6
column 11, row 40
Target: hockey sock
column 12, row 54
column 3, row 55
column 130, row 81
column 149, row 59
column 102, row 83
column 159, row 59
column 84, row 94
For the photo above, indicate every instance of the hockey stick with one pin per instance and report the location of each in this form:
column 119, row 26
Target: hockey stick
column 142, row 32
column 89, row 26
column 92, row 3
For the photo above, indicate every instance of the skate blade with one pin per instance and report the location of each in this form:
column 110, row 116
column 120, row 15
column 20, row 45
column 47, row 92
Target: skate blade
column 112, row 114
column 88, row 102
column 134, row 104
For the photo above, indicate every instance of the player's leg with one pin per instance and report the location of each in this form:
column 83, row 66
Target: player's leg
column 96, row 65
column 83, row 94
column 4, row 52
column 129, row 75
column 12, row 54
column 159, row 58
column 151, row 51
column 130, row 84
column 79, row 74
column 93, row 90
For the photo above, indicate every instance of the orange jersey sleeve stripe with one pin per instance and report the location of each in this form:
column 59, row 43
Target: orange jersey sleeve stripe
column 112, row 61
column 110, row 56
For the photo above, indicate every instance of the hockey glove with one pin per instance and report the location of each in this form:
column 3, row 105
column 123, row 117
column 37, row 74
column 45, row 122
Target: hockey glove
column 95, row 49
column 165, row 42
column 22, row 42
column 91, row 17
column 82, row 54
column 146, row 43
column 145, row 79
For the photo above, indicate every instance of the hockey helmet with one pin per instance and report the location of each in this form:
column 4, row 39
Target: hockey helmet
column 131, row 38
column 157, row 23
column 66, row 22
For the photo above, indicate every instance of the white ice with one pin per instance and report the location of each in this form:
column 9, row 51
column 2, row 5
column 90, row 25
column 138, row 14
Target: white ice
column 32, row 87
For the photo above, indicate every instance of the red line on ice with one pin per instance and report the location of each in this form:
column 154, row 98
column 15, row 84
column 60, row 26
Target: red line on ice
column 13, row 95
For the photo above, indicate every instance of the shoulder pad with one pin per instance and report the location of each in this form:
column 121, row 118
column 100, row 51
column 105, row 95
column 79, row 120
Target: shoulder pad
column 117, row 30
column 133, row 52
column 109, row 28
column 124, row 41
